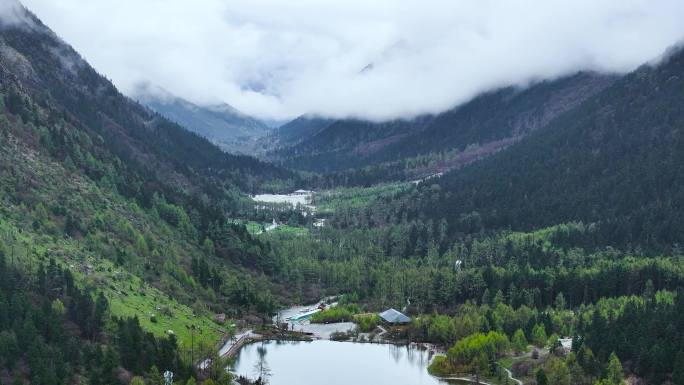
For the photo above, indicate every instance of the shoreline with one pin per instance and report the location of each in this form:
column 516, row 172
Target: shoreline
column 249, row 337
column 232, row 346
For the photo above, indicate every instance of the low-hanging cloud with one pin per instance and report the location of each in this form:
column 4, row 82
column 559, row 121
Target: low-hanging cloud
column 379, row 59
column 12, row 13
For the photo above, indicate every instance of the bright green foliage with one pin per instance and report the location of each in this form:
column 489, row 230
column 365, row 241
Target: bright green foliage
column 154, row 376
column 614, row 370
column 576, row 371
column 342, row 199
column 476, row 353
column 340, row 313
column 560, row 303
column 440, row 367
column 367, row 322
column 558, row 372
column 519, row 342
column 441, row 329
column 58, row 307
column 50, row 340
column 208, row 246
column 539, row 337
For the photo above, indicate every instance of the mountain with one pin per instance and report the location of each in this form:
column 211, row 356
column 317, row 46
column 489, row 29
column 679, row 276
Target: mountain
column 485, row 125
column 37, row 63
column 222, row 124
column 299, row 129
column 123, row 226
column 616, row 160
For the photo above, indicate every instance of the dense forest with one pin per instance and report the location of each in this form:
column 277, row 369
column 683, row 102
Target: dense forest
column 615, row 161
column 136, row 210
column 54, row 332
column 483, row 126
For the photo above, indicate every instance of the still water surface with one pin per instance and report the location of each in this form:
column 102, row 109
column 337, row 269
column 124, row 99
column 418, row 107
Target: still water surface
column 336, row 363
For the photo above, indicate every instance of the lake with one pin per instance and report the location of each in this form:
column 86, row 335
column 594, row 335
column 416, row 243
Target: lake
column 336, row 363
column 293, row 199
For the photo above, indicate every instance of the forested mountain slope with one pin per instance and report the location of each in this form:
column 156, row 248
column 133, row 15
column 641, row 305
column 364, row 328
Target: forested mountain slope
column 137, row 210
column 52, row 332
column 483, row 126
column 298, row 130
column 617, row 160
column 343, row 144
column 222, row 124
column 504, row 114
column 39, row 64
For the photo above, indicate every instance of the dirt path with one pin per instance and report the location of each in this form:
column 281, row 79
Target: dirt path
column 510, row 376
column 232, row 346
column 472, row 380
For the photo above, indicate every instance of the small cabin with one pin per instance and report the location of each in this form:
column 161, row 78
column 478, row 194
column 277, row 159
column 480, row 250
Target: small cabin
column 220, row 318
column 394, row 317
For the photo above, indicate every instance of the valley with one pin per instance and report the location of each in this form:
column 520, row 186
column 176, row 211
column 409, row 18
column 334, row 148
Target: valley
column 531, row 234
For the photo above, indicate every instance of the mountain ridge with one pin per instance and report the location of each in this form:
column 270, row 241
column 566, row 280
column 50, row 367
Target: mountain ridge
column 616, row 160
column 222, row 124
column 487, row 124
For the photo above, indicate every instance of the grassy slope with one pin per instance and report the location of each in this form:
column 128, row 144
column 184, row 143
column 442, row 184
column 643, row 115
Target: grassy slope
column 30, row 180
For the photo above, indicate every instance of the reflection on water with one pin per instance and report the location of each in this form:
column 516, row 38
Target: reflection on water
column 334, row 363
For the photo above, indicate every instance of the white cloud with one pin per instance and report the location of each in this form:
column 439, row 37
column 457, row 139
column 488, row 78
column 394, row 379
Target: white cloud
column 12, row 13
column 282, row 58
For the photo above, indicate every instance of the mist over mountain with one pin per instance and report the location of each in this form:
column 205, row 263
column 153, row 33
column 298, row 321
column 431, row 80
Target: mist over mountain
column 487, row 124
column 222, row 124
column 615, row 160
column 487, row 190
column 277, row 60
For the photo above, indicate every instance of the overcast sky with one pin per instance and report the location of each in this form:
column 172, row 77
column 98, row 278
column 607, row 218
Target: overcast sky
column 376, row 59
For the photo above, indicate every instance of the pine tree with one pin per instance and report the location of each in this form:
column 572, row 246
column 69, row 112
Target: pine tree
column 560, row 303
column 486, row 297
column 154, row 377
column 678, row 372
column 558, row 372
column 539, row 335
column 540, row 375
column 614, row 370
column 101, row 306
column 519, row 341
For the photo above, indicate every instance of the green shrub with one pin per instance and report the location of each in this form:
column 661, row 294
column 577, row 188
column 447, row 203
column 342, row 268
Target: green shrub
column 474, row 353
column 342, row 313
column 367, row 322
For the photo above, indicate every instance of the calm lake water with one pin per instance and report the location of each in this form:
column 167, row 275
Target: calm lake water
column 336, row 363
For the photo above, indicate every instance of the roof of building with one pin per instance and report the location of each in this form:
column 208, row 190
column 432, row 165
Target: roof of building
column 566, row 343
column 394, row 316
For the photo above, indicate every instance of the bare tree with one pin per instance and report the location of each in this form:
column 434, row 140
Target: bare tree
column 261, row 368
